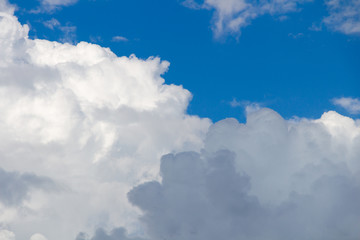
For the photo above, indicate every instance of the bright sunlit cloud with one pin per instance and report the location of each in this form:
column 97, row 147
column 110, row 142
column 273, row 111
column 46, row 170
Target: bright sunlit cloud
column 352, row 105
column 95, row 146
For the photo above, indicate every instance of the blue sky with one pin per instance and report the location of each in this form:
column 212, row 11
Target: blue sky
column 279, row 60
column 94, row 145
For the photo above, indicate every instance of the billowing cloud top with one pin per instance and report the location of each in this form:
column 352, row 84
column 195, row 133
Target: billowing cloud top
column 91, row 121
column 80, row 127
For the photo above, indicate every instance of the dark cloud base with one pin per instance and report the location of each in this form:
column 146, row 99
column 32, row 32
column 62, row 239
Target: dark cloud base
column 203, row 197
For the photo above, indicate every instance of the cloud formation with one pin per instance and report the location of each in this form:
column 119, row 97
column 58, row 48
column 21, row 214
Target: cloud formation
column 230, row 16
column 101, row 234
column 280, row 180
column 49, row 5
column 68, row 31
column 96, row 123
column 344, row 16
column 119, row 39
column 15, row 187
column 352, row 105
column 7, row 235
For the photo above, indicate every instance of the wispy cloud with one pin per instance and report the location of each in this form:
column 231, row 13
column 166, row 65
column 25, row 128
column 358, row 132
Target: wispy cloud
column 247, row 105
column 52, row 23
column 52, row 5
column 68, row 31
column 296, row 35
column 352, row 105
column 230, row 16
column 344, row 16
column 119, row 39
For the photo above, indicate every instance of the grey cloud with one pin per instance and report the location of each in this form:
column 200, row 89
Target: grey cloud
column 15, row 187
column 199, row 198
column 203, row 196
column 266, row 179
column 101, row 234
column 282, row 179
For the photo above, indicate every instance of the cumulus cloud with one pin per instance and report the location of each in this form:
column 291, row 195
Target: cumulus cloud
column 38, row 236
column 273, row 150
column 98, row 124
column 280, row 180
column 7, row 235
column 352, row 105
column 94, row 122
column 230, row 16
column 295, row 179
column 344, row 16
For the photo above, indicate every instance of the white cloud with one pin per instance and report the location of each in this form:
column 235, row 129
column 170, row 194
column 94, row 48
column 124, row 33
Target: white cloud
column 268, row 179
column 352, row 105
column 274, row 151
column 96, row 123
column 49, row 5
column 344, row 16
column 38, row 236
column 279, row 178
column 231, row 16
column 7, row 235
column 119, row 39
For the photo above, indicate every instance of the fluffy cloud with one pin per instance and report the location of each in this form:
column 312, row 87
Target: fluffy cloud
column 284, row 156
column 232, row 15
column 280, row 180
column 97, row 124
column 38, row 236
column 7, row 235
column 352, row 105
column 344, row 16
column 295, row 179
column 93, row 122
